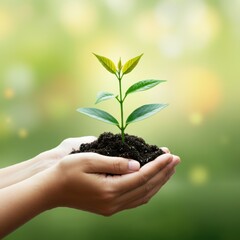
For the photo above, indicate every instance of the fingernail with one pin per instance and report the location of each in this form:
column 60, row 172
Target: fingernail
column 133, row 165
column 177, row 159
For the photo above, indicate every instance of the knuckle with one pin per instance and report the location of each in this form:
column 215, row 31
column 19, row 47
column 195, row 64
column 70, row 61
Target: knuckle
column 148, row 187
column 145, row 200
column 170, row 172
column 108, row 210
column 108, row 194
column 117, row 166
column 169, row 175
column 144, row 179
column 166, row 178
column 62, row 165
column 88, row 164
column 107, row 197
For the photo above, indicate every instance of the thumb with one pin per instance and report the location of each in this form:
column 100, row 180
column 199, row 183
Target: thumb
column 113, row 165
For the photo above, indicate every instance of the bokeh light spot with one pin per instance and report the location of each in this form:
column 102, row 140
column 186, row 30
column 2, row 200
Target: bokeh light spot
column 203, row 90
column 19, row 77
column 202, row 24
column 6, row 23
column 198, row 175
column 185, row 25
column 147, row 28
column 196, row 118
column 78, row 16
column 22, row 133
column 8, row 120
column 120, row 7
column 9, row 93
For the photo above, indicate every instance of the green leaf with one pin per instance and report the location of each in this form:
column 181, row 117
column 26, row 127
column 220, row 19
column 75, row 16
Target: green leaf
column 99, row 114
column 107, row 63
column 144, row 111
column 131, row 64
column 119, row 65
column 102, row 96
column 143, row 85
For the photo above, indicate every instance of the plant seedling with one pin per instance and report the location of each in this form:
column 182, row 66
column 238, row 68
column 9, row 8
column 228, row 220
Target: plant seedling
column 138, row 114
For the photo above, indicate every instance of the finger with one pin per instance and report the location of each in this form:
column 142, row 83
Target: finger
column 87, row 139
column 176, row 159
column 70, row 144
column 158, row 187
column 74, row 143
column 96, row 163
column 152, row 186
column 129, row 182
column 144, row 193
column 169, row 171
column 165, row 149
column 154, row 183
column 143, row 199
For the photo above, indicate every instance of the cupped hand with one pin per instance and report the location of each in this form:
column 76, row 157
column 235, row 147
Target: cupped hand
column 53, row 156
column 107, row 185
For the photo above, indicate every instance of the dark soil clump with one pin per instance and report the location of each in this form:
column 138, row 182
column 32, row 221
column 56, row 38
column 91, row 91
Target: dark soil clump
column 109, row 144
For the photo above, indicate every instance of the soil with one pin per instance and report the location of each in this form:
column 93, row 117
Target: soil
column 134, row 147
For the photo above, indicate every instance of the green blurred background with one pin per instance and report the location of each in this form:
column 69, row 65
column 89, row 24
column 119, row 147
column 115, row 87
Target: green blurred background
column 47, row 70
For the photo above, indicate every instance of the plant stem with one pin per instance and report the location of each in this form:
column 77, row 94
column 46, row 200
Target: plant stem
column 122, row 127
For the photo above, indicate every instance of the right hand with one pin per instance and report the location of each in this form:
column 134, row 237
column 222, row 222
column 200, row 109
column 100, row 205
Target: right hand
column 106, row 185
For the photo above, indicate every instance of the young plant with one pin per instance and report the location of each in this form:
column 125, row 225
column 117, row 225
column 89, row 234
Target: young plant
column 138, row 114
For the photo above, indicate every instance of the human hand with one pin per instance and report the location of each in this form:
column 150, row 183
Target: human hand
column 51, row 157
column 86, row 181
column 106, row 185
column 26, row 169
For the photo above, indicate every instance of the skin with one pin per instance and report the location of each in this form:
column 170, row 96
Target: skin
column 85, row 181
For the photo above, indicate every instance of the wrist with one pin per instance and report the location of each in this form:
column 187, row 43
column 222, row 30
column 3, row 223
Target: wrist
column 44, row 161
column 24, row 170
column 43, row 191
column 24, row 200
column 49, row 182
